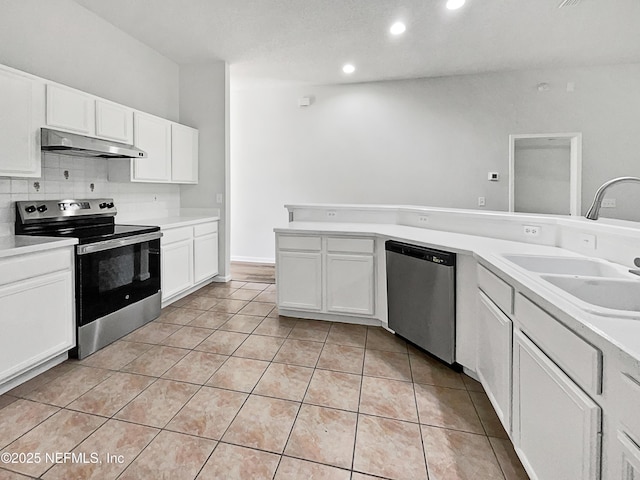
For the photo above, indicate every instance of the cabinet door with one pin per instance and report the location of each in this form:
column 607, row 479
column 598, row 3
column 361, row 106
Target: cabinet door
column 22, row 114
column 153, row 135
column 205, row 257
column 43, row 330
column 70, row 110
column 350, row 280
column 114, row 122
column 299, row 280
column 184, row 154
column 494, row 360
column 630, row 457
column 556, row 426
column 177, row 268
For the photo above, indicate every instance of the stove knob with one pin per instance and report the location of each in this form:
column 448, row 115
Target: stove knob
column 103, row 205
column 30, row 209
column 110, row 205
column 42, row 208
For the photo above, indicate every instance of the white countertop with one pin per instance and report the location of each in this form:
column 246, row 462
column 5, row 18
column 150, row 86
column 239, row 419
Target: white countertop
column 621, row 333
column 176, row 221
column 20, row 244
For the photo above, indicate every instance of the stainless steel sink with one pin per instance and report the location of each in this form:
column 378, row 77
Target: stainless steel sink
column 613, row 295
column 567, row 266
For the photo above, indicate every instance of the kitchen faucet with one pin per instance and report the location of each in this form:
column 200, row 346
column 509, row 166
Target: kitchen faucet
column 594, row 209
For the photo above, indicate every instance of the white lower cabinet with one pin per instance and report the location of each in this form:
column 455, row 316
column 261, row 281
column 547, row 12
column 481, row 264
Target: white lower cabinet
column 37, row 320
column 329, row 275
column 205, row 255
column 300, row 280
column 350, row 283
column 189, row 258
column 495, row 331
column 630, row 457
column 556, row 426
column 177, row 267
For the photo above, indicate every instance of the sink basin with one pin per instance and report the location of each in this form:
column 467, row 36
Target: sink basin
column 567, row 266
column 611, row 294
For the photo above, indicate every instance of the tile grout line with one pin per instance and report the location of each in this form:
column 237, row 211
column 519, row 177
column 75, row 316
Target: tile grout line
column 355, row 436
column 415, row 398
column 301, row 401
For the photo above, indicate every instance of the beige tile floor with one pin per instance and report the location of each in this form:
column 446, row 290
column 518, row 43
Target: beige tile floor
column 221, row 387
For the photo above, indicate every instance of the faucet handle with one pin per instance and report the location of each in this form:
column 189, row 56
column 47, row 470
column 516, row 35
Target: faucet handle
column 636, row 262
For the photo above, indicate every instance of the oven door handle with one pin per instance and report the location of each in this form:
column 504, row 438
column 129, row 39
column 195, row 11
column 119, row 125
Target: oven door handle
column 116, row 243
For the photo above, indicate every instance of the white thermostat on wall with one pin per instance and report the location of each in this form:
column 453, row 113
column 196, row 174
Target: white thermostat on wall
column 494, row 176
column 305, row 101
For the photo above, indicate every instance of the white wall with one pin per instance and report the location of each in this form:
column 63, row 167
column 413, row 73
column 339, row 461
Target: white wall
column 203, row 105
column 542, row 179
column 424, row 142
column 61, row 41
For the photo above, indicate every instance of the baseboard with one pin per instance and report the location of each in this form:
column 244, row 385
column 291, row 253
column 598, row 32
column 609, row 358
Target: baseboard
column 331, row 317
column 271, row 261
column 470, row 373
column 221, row 279
column 29, row 374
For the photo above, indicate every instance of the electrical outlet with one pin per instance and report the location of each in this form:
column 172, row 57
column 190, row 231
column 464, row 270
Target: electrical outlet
column 531, row 230
column 609, row 203
column 332, row 214
column 423, row 219
column 481, row 201
column 219, row 198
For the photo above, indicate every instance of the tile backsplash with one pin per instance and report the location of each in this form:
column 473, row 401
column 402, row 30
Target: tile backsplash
column 77, row 177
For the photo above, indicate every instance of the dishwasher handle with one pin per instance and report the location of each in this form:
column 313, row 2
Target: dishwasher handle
column 432, row 255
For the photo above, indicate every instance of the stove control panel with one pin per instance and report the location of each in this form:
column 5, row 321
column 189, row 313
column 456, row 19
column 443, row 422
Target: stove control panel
column 37, row 211
column 68, row 205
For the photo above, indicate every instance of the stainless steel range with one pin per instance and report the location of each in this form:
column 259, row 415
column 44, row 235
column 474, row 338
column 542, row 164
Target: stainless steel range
column 117, row 266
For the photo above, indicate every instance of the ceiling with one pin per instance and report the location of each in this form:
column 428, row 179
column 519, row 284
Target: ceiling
column 308, row 41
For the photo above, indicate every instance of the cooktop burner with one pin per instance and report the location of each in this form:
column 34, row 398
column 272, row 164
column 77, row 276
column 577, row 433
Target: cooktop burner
column 93, row 234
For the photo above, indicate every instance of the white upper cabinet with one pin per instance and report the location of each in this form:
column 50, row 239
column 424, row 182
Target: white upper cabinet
column 22, row 114
column 184, row 154
column 70, row 110
column 28, row 103
column 114, row 122
column 153, row 135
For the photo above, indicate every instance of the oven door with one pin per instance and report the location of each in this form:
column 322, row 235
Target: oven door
column 113, row 274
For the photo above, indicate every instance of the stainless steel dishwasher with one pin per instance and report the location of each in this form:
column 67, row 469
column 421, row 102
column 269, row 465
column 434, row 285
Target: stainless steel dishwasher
column 421, row 297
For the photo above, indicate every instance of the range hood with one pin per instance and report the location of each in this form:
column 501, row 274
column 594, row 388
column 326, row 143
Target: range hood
column 65, row 143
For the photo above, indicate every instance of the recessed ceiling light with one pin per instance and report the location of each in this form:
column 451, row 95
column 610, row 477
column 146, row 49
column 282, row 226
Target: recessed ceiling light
column 397, row 28
column 454, row 4
column 348, row 69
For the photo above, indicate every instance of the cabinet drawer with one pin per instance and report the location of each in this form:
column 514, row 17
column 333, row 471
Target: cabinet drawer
column 629, row 399
column 580, row 360
column 176, row 234
column 290, row 242
column 22, row 267
column 350, row 245
column 205, row 229
column 496, row 289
